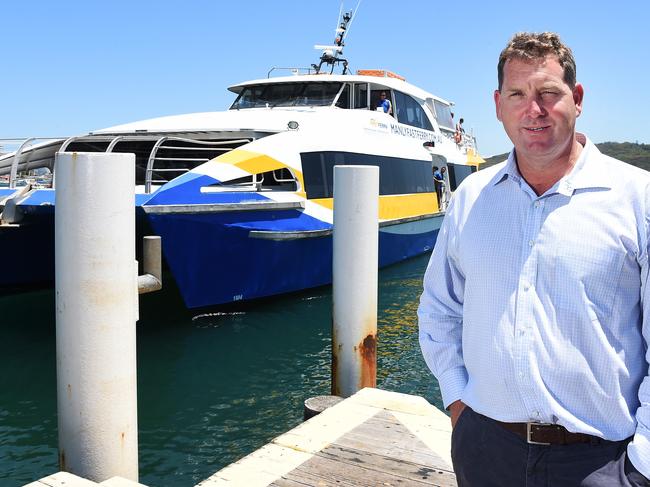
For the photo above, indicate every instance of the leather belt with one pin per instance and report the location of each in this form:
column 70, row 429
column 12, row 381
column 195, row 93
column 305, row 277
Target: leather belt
column 548, row 434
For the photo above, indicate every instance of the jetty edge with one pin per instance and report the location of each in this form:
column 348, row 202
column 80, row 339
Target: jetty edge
column 374, row 437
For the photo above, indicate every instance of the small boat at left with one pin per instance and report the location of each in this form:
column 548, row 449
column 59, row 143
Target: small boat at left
column 243, row 198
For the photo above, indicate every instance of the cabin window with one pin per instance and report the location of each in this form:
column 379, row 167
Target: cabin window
column 276, row 180
column 410, row 112
column 344, row 98
column 396, row 175
column 361, row 95
column 457, row 173
column 443, row 114
column 287, row 95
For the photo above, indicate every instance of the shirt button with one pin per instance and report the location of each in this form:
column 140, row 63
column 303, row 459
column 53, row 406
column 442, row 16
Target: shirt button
column 530, row 243
column 537, row 204
column 521, row 375
column 522, row 332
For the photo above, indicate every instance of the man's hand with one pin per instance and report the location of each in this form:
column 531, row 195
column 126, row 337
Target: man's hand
column 456, row 408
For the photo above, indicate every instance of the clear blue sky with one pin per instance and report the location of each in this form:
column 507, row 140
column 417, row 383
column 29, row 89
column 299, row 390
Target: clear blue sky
column 68, row 67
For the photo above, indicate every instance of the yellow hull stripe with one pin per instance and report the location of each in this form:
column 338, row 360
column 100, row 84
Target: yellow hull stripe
column 392, row 207
column 256, row 163
column 251, row 162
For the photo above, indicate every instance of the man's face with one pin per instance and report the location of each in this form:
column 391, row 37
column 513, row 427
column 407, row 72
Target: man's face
column 537, row 108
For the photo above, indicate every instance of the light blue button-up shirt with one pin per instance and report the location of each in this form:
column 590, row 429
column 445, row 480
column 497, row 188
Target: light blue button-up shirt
column 535, row 308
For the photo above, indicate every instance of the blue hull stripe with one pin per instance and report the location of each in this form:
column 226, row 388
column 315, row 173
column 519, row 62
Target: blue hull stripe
column 4, row 192
column 215, row 261
column 39, row 197
column 188, row 192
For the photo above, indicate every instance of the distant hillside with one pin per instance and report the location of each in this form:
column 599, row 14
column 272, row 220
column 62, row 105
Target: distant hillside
column 635, row 154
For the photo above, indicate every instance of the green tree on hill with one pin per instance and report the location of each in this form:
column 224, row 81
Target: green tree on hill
column 630, row 152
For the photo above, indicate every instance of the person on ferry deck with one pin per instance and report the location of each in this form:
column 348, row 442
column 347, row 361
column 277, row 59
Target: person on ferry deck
column 438, row 183
column 384, row 103
column 460, row 131
column 535, row 315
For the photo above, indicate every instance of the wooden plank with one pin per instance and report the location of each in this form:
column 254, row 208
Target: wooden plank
column 318, row 432
column 390, row 466
column 325, row 471
column 361, row 442
column 437, row 437
column 395, row 401
column 383, row 436
column 258, row 469
column 284, row 482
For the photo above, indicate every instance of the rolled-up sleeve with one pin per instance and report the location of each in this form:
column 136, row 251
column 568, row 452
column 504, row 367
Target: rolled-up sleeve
column 440, row 314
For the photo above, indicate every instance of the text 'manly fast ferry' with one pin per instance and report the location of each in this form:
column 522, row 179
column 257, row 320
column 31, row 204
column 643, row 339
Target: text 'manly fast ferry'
column 243, row 198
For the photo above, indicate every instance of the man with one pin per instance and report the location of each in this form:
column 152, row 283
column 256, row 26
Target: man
column 384, row 103
column 535, row 315
column 460, row 132
column 439, row 183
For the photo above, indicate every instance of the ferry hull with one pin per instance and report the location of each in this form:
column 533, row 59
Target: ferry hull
column 28, row 254
column 216, row 261
column 28, row 248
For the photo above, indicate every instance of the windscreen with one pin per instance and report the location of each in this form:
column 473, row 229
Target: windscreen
column 287, row 95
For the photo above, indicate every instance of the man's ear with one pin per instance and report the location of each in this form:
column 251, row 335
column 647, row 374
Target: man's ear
column 578, row 96
column 497, row 103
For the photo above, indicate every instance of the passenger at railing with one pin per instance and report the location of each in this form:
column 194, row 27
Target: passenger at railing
column 460, row 132
column 384, row 104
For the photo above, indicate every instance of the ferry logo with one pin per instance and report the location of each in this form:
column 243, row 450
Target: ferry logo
column 377, row 124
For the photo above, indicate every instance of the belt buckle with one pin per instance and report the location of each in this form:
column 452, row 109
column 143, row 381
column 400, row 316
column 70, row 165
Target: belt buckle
column 529, row 432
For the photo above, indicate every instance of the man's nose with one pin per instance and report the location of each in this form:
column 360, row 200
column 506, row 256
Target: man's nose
column 535, row 107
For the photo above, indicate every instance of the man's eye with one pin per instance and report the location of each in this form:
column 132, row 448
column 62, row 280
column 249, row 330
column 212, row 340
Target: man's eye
column 515, row 95
column 548, row 92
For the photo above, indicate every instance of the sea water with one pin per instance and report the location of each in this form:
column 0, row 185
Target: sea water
column 212, row 386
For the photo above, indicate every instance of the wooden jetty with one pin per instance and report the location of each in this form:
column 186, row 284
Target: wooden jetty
column 373, row 438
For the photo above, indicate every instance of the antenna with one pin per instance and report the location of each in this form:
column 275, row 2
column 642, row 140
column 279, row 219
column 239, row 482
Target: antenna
column 329, row 55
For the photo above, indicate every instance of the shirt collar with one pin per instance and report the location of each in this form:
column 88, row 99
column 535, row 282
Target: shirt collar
column 588, row 171
column 510, row 170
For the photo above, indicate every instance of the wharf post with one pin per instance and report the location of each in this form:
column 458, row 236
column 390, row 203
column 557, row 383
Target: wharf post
column 96, row 309
column 355, row 275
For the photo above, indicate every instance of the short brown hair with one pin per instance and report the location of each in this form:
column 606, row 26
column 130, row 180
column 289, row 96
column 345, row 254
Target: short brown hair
column 529, row 46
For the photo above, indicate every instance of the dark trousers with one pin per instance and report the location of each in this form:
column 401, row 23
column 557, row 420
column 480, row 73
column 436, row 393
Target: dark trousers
column 487, row 455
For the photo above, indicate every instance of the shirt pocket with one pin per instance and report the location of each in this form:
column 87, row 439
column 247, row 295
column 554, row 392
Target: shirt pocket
column 586, row 278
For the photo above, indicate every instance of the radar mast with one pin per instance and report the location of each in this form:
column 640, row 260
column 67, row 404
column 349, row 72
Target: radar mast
column 331, row 55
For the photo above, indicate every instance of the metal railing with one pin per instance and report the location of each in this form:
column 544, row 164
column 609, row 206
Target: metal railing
column 165, row 153
column 293, row 70
column 201, row 145
column 20, row 162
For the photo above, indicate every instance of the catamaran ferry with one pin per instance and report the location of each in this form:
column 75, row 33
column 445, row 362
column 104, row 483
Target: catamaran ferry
column 243, row 198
